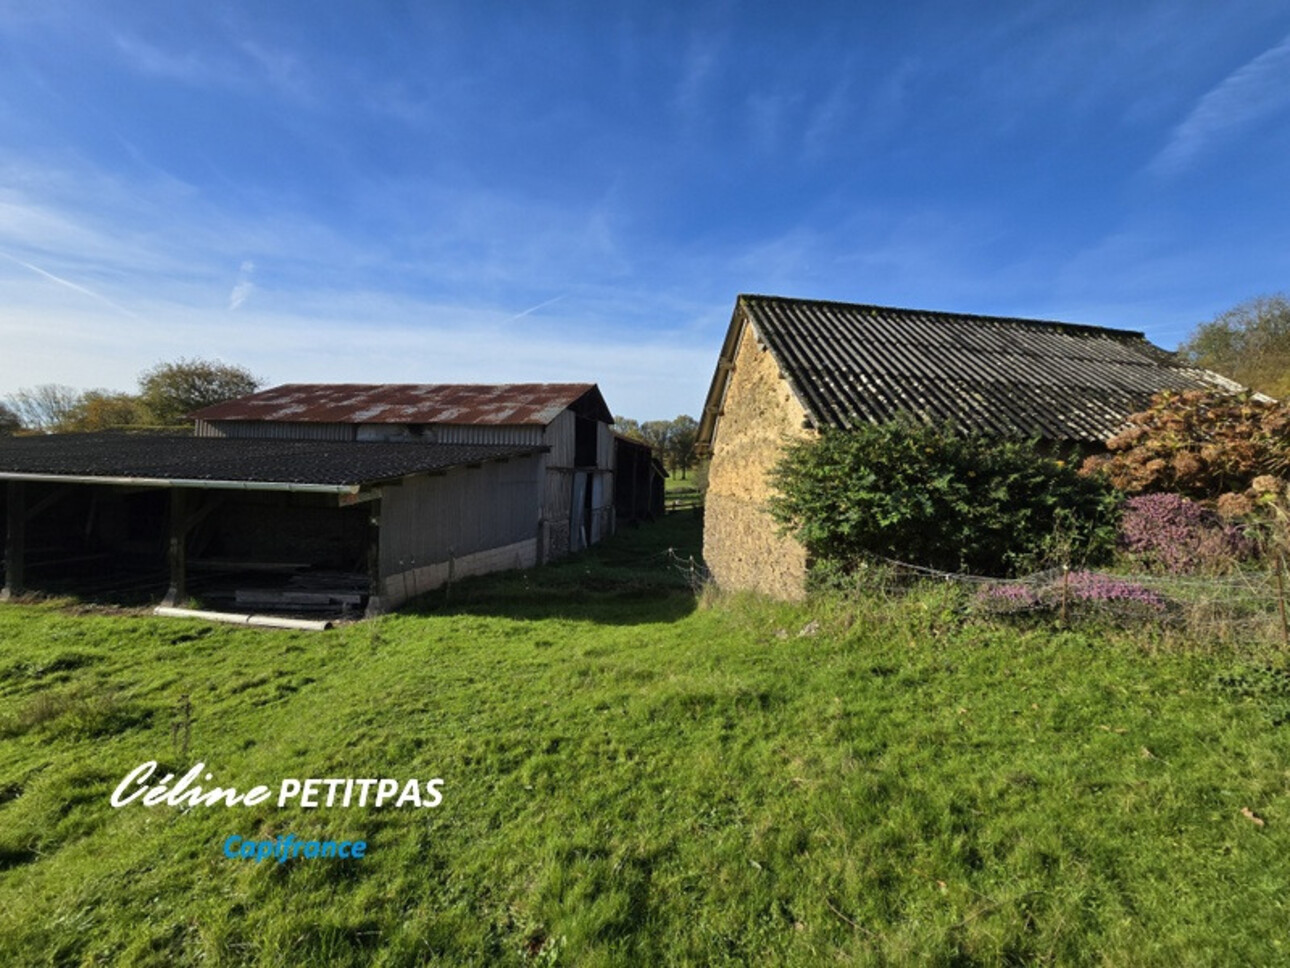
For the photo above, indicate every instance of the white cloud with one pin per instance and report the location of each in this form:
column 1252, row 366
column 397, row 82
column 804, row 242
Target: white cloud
column 243, row 288
column 1254, row 91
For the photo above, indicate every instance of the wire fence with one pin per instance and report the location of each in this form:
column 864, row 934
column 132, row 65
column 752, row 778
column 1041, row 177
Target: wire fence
column 691, row 569
column 1249, row 602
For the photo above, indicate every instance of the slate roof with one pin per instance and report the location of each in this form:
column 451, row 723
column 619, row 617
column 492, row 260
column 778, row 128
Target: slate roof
column 414, row 403
column 849, row 364
column 215, row 461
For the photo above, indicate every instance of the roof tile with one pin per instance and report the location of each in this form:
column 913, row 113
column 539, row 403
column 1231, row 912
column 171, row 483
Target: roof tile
column 850, row 363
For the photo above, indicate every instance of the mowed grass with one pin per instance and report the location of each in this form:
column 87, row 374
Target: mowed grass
column 632, row 776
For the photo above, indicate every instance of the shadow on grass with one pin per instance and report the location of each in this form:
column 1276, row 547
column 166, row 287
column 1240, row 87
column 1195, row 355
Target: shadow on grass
column 643, row 574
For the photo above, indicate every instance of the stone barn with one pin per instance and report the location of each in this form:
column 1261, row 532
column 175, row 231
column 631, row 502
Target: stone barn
column 790, row 368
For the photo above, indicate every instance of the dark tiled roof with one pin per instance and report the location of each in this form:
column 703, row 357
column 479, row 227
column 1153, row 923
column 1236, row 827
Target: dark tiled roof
column 849, row 364
column 197, row 459
column 413, row 403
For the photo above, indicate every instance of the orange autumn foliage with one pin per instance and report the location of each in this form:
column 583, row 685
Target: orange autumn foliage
column 1204, row 444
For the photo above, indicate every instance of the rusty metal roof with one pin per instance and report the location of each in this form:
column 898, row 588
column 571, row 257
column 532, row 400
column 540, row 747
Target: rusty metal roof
column 414, row 403
column 850, row 364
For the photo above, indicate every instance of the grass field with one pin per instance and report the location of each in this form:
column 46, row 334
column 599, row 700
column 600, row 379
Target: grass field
column 634, row 776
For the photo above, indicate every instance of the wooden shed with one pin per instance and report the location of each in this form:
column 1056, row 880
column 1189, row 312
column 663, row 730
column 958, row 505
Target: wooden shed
column 358, row 496
column 569, row 420
column 791, row 367
column 639, row 491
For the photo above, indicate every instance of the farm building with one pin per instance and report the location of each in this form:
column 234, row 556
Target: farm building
column 638, row 481
column 792, row 367
column 363, row 495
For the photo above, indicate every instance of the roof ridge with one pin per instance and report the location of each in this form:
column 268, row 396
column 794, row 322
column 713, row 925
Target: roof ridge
column 983, row 317
column 330, row 383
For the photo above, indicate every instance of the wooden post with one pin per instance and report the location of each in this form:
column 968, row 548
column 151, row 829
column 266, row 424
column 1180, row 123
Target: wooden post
column 176, row 553
column 374, row 604
column 1066, row 592
column 1281, row 600
column 15, row 541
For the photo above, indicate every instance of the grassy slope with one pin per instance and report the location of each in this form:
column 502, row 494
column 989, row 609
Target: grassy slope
column 630, row 778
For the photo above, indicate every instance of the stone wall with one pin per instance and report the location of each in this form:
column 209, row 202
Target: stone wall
column 741, row 544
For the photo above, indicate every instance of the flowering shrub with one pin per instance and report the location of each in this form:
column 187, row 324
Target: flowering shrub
column 1009, row 598
column 1092, row 586
column 1169, row 532
column 1080, row 587
column 1201, row 444
column 1234, row 505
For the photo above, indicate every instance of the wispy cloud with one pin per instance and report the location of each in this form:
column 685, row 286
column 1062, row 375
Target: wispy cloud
column 59, row 280
column 1254, row 91
column 245, row 66
column 437, row 304
column 827, row 117
column 700, row 64
column 146, row 58
column 243, row 288
column 282, row 68
column 767, row 114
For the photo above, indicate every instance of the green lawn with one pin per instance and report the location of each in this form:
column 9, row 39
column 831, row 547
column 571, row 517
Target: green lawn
column 634, row 777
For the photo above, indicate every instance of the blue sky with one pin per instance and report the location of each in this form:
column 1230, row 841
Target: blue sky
column 424, row 192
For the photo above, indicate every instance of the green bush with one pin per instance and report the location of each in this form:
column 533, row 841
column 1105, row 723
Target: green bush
column 933, row 497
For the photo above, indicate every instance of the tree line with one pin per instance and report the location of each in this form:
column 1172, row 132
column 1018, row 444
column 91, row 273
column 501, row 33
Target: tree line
column 168, row 392
column 1249, row 343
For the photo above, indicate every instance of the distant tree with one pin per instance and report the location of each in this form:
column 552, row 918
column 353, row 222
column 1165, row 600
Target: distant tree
column 171, row 391
column 1249, row 343
column 628, row 427
column 682, row 434
column 656, row 434
column 103, row 410
column 9, row 422
column 44, row 408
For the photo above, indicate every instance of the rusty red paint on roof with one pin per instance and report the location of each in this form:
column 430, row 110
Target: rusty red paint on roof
column 407, row 403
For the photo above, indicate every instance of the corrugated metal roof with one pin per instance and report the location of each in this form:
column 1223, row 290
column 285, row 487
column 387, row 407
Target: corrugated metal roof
column 850, row 364
column 195, row 459
column 413, row 403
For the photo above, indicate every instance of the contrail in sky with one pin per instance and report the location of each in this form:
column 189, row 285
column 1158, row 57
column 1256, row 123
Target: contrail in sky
column 533, row 309
column 70, row 285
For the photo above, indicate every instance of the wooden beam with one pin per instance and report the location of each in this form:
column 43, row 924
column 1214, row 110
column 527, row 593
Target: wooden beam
column 177, row 593
column 15, row 540
column 374, row 604
column 209, row 504
column 49, row 500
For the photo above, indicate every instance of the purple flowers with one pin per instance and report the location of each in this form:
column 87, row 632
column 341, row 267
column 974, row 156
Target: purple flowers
column 1171, row 533
column 1092, row 586
column 1079, row 587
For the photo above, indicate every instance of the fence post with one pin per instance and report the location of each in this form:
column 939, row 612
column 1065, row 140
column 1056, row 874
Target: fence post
column 1281, row 600
column 1066, row 582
